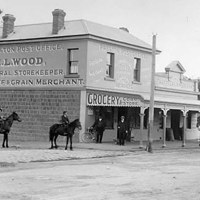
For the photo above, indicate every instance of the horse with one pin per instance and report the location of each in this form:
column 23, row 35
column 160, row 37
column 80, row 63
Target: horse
column 5, row 126
column 68, row 131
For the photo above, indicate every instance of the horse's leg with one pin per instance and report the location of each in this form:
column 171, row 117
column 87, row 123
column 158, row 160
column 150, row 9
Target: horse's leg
column 71, row 148
column 51, row 140
column 4, row 138
column 67, row 140
column 7, row 140
column 55, row 138
column 51, row 136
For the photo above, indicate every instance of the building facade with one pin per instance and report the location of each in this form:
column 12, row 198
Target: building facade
column 89, row 69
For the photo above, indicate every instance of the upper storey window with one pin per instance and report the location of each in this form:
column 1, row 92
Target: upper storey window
column 73, row 61
column 136, row 69
column 110, row 65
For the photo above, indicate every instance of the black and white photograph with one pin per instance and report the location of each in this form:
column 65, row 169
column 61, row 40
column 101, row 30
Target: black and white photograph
column 99, row 100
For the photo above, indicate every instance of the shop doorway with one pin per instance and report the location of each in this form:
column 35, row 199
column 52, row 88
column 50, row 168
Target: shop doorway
column 123, row 111
column 132, row 119
column 175, row 123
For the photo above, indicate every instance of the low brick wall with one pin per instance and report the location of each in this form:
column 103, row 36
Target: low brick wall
column 38, row 109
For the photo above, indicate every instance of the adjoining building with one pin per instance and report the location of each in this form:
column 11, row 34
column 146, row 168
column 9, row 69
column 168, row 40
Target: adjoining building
column 89, row 69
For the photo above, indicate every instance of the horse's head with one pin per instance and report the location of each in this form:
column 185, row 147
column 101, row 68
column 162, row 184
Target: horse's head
column 16, row 117
column 78, row 124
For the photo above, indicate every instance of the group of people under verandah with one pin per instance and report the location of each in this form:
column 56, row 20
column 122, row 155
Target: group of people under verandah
column 122, row 130
column 99, row 127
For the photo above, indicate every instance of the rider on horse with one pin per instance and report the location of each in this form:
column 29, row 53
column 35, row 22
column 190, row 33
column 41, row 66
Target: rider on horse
column 64, row 119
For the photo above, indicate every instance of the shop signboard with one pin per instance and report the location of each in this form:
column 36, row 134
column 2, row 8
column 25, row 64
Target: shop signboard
column 115, row 100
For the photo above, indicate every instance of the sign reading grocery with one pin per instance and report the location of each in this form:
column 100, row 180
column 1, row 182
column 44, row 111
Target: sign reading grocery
column 95, row 99
column 34, row 65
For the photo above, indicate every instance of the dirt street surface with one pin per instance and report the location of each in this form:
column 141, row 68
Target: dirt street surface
column 88, row 174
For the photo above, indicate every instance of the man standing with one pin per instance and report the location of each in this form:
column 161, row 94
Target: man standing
column 122, row 130
column 99, row 126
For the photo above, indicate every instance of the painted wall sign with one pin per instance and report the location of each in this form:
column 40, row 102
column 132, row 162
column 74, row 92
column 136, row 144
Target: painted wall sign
column 35, row 65
column 174, row 83
column 95, row 99
column 121, row 51
column 42, row 82
column 30, row 48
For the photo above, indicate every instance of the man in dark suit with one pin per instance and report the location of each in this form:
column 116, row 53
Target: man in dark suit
column 122, row 130
column 99, row 126
column 64, row 119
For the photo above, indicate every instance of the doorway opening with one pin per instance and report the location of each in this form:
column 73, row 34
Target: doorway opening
column 175, row 124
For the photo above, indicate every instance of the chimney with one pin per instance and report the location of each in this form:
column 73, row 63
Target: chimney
column 8, row 25
column 58, row 20
column 124, row 29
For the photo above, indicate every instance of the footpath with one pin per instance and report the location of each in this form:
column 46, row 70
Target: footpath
column 24, row 152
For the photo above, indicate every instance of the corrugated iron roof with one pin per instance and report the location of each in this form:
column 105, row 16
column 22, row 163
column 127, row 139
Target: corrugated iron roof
column 75, row 28
column 178, row 101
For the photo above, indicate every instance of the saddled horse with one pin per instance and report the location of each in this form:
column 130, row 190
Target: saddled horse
column 5, row 126
column 68, row 131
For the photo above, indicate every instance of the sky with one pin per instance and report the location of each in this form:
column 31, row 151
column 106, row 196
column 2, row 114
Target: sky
column 176, row 23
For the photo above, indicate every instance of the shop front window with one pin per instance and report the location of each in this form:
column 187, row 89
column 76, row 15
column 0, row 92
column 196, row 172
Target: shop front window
column 133, row 118
column 108, row 115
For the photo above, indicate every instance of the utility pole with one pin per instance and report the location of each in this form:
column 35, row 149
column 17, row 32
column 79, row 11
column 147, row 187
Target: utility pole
column 151, row 106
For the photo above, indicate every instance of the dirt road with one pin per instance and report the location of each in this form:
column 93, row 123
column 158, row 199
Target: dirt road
column 166, row 175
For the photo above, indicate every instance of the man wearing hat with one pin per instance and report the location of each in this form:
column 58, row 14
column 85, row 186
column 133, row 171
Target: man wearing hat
column 64, row 119
column 99, row 126
column 122, row 130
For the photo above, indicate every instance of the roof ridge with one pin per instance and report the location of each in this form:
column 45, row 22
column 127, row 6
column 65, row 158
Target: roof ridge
column 85, row 27
column 41, row 23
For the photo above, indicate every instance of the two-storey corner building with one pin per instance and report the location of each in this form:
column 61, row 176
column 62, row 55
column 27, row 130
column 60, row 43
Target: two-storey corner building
column 79, row 66
column 88, row 69
column 118, row 79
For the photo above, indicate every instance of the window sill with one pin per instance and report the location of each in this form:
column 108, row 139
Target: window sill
column 72, row 76
column 109, row 79
column 136, row 82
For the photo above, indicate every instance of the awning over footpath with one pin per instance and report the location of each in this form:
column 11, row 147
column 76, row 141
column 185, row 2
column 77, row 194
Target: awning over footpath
column 181, row 103
column 114, row 99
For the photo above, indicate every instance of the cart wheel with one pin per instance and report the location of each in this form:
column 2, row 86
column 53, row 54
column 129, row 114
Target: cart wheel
column 87, row 137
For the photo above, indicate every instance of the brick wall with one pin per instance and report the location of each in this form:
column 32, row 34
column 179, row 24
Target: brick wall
column 38, row 110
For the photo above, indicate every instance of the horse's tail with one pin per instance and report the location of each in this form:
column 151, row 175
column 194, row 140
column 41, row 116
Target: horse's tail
column 50, row 134
column 52, row 131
